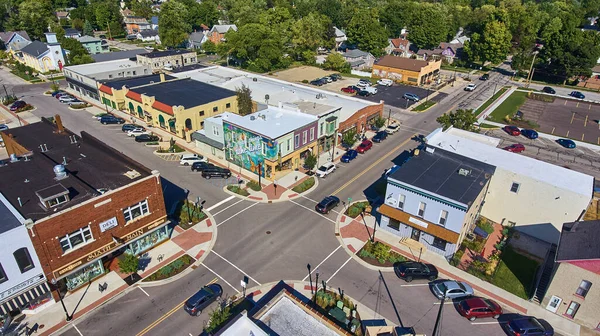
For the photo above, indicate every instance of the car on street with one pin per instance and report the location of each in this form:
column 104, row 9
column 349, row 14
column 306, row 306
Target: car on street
column 348, row 89
column 567, row 143
column 451, row 289
column 371, row 89
column 188, row 159
column 17, row 105
column 577, row 94
column 349, row 156
column 529, row 133
column 525, row 326
column 200, row 166
column 380, row 136
column 136, row 131
column 209, row 173
column 325, row 169
column 363, row 93
column 327, row 204
column 484, row 77
column 476, row 307
column 512, row 130
column 109, row 119
column 146, row 138
column 411, row 96
column 202, row 299
column 385, row 82
column 549, row 90
column 470, row 87
column 363, row 83
column 409, row 270
column 128, row 127
column 392, row 128
column 515, row 148
column 364, row 146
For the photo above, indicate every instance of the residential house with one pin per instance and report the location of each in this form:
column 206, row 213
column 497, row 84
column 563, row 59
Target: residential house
column 340, row 37
column 154, row 22
column 112, row 91
column 217, row 33
column 93, row 45
column 43, row 57
column 196, row 39
column 596, row 70
column 168, row 59
column 14, row 40
column 126, row 12
column 406, row 70
column 62, row 15
column 358, row 59
column 399, row 46
column 533, row 196
column 574, row 292
column 135, row 24
column 149, row 35
column 72, row 33
column 434, row 199
column 179, row 106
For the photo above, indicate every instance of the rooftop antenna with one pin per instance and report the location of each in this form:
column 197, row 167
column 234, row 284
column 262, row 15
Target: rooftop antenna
column 19, row 200
column 64, row 163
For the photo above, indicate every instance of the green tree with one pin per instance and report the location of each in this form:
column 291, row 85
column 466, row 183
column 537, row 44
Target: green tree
column 463, row 119
column 349, row 138
column 217, row 318
column 173, row 30
column 427, row 25
column 244, row 100
column 336, row 62
column 365, row 30
column 493, row 45
column 58, row 29
column 208, row 13
column 311, row 161
column 142, row 8
column 333, row 10
column 88, row 29
column 77, row 52
column 209, row 47
column 78, row 24
column 129, row 264
column 310, row 33
column 34, row 16
column 380, row 122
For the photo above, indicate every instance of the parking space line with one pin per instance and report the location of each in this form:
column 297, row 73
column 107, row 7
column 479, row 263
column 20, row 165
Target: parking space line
column 445, row 302
column 415, row 285
column 148, row 295
column 321, row 263
column 336, row 272
column 220, row 203
column 478, row 323
column 220, row 277
column 237, row 268
column 79, row 332
column 228, row 206
column 311, row 210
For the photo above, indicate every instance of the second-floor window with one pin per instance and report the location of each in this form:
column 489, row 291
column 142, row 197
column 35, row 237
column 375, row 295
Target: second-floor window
column 321, row 128
column 73, row 239
column 228, row 105
column 304, row 137
column 288, row 144
column 215, row 109
column 515, row 187
column 201, row 113
column 136, row 210
column 297, row 140
column 584, row 288
column 422, row 207
column 401, row 200
column 23, row 259
column 312, row 134
column 3, row 276
column 216, row 130
column 443, row 217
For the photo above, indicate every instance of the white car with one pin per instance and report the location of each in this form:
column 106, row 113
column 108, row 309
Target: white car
column 67, row 99
column 385, row 82
column 363, row 83
column 325, row 169
column 370, row 89
column 136, row 131
column 470, row 87
column 190, row 159
column 393, row 128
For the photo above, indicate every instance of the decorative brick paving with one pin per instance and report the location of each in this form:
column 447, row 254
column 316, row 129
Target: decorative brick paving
column 356, row 230
column 255, row 198
column 488, row 249
column 208, row 223
column 200, row 254
column 269, row 190
column 191, row 238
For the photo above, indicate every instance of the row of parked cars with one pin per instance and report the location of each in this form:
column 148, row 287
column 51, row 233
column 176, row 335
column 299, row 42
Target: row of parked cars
column 66, row 98
column 324, row 80
column 531, row 134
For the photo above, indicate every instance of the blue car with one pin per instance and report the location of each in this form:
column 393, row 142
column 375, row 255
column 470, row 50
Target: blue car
column 577, row 94
column 529, row 133
column 566, row 143
column 349, row 156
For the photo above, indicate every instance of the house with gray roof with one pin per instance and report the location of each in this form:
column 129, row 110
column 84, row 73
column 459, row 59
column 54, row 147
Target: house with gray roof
column 149, row 35
column 43, row 57
column 14, row 40
column 217, row 33
column 72, row 33
column 196, row 39
column 93, row 45
column 359, row 59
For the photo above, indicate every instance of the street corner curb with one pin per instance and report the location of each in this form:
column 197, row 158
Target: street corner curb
column 74, row 109
column 294, row 195
column 250, row 198
column 213, row 225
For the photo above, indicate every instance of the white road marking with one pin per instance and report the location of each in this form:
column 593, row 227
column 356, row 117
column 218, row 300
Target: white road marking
column 239, row 212
column 447, row 302
column 75, row 327
column 237, row 268
column 314, row 269
column 336, row 272
column 228, row 207
column 220, row 277
column 311, row 210
column 144, row 291
column 310, row 199
column 414, row 285
column 476, row 323
column 220, row 203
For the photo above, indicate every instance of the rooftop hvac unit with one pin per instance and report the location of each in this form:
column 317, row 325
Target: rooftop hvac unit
column 464, row 172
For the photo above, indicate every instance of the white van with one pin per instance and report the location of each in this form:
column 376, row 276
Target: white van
column 190, row 159
column 385, row 82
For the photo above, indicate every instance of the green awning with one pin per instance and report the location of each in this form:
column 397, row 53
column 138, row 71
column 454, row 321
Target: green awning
column 172, row 122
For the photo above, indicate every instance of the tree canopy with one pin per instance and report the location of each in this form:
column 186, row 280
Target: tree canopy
column 173, row 30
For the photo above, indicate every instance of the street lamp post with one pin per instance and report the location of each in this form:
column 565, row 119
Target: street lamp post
column 310, row 279
column 530, row 74
column 317, row 280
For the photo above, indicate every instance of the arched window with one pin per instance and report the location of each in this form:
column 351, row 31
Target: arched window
column 188, row 123
column 131, row 108
column 23, row 259
column 161, row 121
column 140, row 112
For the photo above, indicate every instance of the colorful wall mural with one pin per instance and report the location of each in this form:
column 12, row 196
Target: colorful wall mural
column 247, row 149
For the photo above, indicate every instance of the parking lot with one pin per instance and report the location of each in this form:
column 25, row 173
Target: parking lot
column 393, row 95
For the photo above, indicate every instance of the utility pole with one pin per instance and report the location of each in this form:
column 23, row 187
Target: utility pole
column 530, row 74
column 108, row 28
column 438, row 318
column 389, row 116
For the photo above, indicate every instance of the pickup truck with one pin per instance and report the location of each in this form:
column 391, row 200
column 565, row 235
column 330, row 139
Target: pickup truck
column 370, row 89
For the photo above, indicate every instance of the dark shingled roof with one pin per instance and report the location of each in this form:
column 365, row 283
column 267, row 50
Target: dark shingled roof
column 134, row 81
column 397, row 62
column 8, row 221
column 579, row 241
column 91, row 166
column 35, row 48
column 116, row 55
column 438, row 173
column 184, row 92
column 166, row 53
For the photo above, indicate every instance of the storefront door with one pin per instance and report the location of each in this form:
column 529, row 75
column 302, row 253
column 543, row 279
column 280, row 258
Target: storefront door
column 416, row 234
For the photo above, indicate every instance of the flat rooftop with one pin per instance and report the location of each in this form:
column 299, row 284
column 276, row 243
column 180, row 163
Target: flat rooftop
column 118, row 55
column 165, row 53
column 134, row 81
column 91, row 167
column 272, row 122
column 184, row 92
column 315, row 109
column 459, row 142
column 278, row 91
column 446, row 174
column 94, row 68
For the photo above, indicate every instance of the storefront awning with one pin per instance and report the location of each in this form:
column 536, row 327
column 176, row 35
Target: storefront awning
column 21, row 301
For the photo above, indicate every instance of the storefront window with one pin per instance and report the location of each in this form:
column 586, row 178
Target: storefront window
column 84, row 275
column 148, row 241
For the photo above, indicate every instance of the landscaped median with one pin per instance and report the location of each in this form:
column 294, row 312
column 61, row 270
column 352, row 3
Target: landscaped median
column 424, row 106
column 304, row 185
column 490, row 101
column 175, row 267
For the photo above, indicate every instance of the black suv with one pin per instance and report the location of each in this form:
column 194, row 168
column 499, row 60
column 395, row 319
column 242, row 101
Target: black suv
column 485, row 77
column 549, row 90
column 327, row 204
column 109, row 119
column 202, row 299
column 409, row 270
column 201, row 166
column 380, row 136
column 216, row 172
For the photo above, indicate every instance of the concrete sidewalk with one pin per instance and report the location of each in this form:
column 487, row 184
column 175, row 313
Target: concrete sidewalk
column 354, row 233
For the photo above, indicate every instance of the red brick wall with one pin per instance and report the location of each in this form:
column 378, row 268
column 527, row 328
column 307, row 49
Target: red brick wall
column 47, row 233
column 216, row 37
column 361, row 116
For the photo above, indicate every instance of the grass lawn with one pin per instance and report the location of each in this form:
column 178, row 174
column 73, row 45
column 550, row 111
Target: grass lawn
column 515, row 273
column 491, row 100
column 509, row 107
column 424, row 106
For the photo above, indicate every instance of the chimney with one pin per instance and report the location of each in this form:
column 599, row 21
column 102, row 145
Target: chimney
column 162, row 77
column 59, row 124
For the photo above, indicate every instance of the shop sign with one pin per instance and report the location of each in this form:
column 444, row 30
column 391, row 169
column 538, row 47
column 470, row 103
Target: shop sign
column 19, row 287
column 99, row 252
column 109, row 224
column 418, row 222
column 134, row 234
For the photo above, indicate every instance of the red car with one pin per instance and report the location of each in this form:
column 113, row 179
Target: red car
column 512, row 130
column 348, row 89
column 516, row 148
column 364, row 146
column 477, row 307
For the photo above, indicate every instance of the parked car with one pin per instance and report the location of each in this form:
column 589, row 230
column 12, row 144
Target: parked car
column 451, row 289
column 411, row 96
column 325, row 169
column 474, row 308
column 66, row 99
column 216, row 172
column 371, row 89
column 17, row 105
column 3, row 127
column 136, row 131
column 363, row 93
column 327, row 79
column 348, row 89
column 349, row 156
column 109, row 119
column 409, row 270
column 355, row 88
column 99, row 116
column 363, row 83
column 202, row 299
column 336, row 77
column 385, row 82
column 484, row 77
column 129, row 127
column 75, row 102
column 149, row 48
column 567, row 143
column 146, row 138
column 512, row 130
column 525, row 326
column 364, row 146
column 549, row 90
column 327, row 204
column 515, row 148
column 318, row 82
column 380, row 136
column 59, row 92
column 200, row 166
column 470, row 87
column 393, row 128
column 188, row 159
column 577, row 94
column 529, row 133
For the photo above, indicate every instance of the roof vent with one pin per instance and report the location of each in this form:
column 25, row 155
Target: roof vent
column 464, row 172
column 14, row 158
column 252, row 118
column 430, row 150
column 255, row 79
column 60, row 172
column 132, row 174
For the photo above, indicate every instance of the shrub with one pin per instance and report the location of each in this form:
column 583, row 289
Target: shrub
column 485, row 225
column 356, row 209
column 218, row 318
column 254, row 185
column 236, row 189
column 304, row 185
column 305, row 81
column 154, row 143
column 476, row 245
column 380, row 251
column 175, row 267
column 25, row 108
column 79, row 106
column 455, row 261
column 9, row 100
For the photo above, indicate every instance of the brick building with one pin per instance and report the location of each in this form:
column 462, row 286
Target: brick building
column 84, row 203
